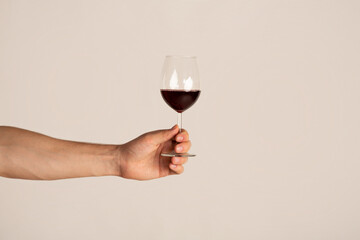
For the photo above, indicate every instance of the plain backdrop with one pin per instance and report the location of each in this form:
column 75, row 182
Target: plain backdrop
column 276, row 127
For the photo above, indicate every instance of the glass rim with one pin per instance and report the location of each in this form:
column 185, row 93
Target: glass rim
column 180, row 56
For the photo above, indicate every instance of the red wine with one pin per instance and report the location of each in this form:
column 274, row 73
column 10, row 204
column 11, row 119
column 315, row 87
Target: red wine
column 180, row 100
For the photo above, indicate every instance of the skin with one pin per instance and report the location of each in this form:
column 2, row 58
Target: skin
column 30, row 155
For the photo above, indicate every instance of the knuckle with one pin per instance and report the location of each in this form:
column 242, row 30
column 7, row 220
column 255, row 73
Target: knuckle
column 148, row 138
column 187, row 133
column 187, row 146
column 183, row 131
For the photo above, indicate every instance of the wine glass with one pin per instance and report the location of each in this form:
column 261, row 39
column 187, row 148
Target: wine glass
column 180, row 88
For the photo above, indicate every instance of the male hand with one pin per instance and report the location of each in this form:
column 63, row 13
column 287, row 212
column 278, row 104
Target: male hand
column 140, row 158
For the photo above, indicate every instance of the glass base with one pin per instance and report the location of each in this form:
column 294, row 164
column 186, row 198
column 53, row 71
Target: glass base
column 174, row 154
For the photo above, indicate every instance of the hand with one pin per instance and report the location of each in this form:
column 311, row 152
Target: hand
column 140, row 158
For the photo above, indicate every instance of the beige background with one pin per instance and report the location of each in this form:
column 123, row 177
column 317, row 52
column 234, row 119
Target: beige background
column 276, row 128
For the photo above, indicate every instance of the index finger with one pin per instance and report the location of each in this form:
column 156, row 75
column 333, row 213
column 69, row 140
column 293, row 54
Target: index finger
column 182, row 136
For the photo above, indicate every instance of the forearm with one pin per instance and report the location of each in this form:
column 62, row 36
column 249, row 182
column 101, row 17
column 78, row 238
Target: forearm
column 29, row 155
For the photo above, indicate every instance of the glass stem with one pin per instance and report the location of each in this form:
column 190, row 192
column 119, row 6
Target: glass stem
column 180, row 121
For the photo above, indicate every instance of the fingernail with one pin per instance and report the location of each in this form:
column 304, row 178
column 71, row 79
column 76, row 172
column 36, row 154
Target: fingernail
column 176, row 160
column 172, row 165
column 179, row 148
column 180, row 138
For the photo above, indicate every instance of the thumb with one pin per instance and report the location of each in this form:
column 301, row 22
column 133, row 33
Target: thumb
column 161, row 136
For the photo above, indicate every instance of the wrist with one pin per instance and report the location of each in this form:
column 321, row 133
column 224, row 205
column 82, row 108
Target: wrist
column 110, row 160
column 119, row 160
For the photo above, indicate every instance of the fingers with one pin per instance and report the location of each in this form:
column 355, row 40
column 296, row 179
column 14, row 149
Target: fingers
column 179, row 160
column 161, row 136
column 183, row 147
column 176, row 165
column 182, row 136
column 176, row 169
